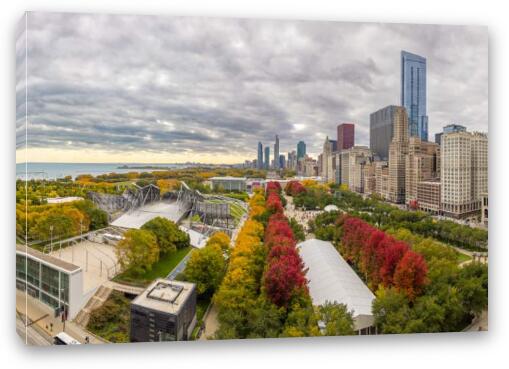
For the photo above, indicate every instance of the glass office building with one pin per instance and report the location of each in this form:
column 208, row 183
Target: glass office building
column 48, row 279
column 413, row 93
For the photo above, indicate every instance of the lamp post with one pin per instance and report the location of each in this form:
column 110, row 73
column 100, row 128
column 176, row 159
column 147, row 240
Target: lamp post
column 51, row 238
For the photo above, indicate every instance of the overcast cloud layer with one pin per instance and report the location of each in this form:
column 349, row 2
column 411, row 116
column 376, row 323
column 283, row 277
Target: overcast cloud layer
column 218, row 86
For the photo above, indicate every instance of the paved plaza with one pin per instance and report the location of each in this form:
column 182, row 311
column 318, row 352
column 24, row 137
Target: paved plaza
column 98, row 262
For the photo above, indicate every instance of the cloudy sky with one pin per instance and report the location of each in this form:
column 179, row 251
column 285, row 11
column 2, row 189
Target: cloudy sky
column 105, row 88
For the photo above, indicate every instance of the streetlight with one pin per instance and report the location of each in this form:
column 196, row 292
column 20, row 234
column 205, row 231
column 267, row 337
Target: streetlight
column 51, row 238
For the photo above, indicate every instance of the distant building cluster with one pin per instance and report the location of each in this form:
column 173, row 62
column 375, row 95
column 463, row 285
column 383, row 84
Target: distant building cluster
column 447, row 177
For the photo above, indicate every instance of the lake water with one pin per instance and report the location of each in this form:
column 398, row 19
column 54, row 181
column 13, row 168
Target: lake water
column 60, row 170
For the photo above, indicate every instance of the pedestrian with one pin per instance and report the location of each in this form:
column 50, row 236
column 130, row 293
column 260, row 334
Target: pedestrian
column 87, row 340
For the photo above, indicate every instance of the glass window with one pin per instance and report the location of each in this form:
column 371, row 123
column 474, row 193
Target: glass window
column 64, row 287
column 33, row 272
column 50, row 280
column 21, row 267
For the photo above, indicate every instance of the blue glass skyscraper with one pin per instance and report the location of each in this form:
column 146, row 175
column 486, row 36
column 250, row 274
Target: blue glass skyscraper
column 413, row 93
column 260, row 156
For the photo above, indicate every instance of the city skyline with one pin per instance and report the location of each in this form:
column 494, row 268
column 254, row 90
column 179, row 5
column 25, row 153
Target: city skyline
column 126, row 106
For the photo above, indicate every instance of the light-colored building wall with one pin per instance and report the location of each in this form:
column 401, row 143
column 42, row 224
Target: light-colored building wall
column 464, row 172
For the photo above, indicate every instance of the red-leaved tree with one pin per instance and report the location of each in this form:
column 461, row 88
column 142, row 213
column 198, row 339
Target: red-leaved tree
column 410, row 275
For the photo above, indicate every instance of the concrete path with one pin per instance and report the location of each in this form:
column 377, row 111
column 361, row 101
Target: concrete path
column 211, row 324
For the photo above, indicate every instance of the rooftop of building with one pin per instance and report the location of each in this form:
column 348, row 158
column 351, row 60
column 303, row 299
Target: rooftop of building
column 165, row 295
column 47, row 259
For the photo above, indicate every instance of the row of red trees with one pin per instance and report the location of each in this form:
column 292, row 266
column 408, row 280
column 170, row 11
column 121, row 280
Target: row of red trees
column 293, row 188
column 284, row 277
column 383, row 260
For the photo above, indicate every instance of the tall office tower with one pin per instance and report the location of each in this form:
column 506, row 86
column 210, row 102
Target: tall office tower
column 292, row 160
column 328, row 165
column 449, row 129
column 276, row 153
column 420, row 165
column 464, row 172
column 282, row 161
column 413, row 93
column 346, row 136
column 301, row 150
column 381, row 130
column 267, row 158
column 260, row 156
column 397, row 152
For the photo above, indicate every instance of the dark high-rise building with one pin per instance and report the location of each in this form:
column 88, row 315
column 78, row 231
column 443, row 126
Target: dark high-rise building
column 449, row 129
column 276, row 153
column 381, row 130
column 413, row 93
column 259, row 161
column 282, row 162
column 267, row 157
column 346, row 136
column 301, row 150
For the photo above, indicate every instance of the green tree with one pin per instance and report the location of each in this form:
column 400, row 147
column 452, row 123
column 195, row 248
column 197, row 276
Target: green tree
column 169, row 236
column 206, row 268
column 336, row 318
column 138, row 251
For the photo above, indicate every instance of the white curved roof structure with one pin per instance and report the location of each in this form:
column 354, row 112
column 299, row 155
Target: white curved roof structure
column 330, row 208
column 330, row 278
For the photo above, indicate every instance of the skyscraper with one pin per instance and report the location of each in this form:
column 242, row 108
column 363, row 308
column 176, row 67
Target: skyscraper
column 413, row 93
column 260, row 156
column 267, row 157
column 301, row 150
column 276, row 153
column 381, row 129
column 398, row 150
column 346, row 136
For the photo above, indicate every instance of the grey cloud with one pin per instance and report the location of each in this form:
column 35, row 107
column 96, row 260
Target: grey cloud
column 209, row 85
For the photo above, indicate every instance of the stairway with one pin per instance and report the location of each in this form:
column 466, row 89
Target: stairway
column 100, row 296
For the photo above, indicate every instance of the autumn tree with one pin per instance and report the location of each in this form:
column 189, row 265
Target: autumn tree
column 138, row 250
column 410, row 274
column 206, row 268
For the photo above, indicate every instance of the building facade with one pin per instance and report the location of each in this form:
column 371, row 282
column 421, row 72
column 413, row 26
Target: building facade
column 420, row 165
column 413, row 93
column 52, row 281
column 276, row 153
column 259, row 160
column 229, row 183
column 301, row 150
column 346, row 136
column 428, row 196
column 327, row 162
column 398, row 150
column 464, row 173
column 165, row 311
column 267, row 158
column 381, row 129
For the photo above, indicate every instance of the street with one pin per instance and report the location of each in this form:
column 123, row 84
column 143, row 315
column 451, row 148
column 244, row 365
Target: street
column 30, row 335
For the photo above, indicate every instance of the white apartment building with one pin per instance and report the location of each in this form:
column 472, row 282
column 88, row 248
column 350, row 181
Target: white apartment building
column 464, row 172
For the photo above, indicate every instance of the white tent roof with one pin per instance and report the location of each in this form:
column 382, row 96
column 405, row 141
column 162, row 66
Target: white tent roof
column 331, row 207
column 332, row 279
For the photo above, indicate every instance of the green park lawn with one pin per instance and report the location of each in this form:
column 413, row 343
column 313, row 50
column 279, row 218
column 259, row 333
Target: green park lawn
column 159, row 270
